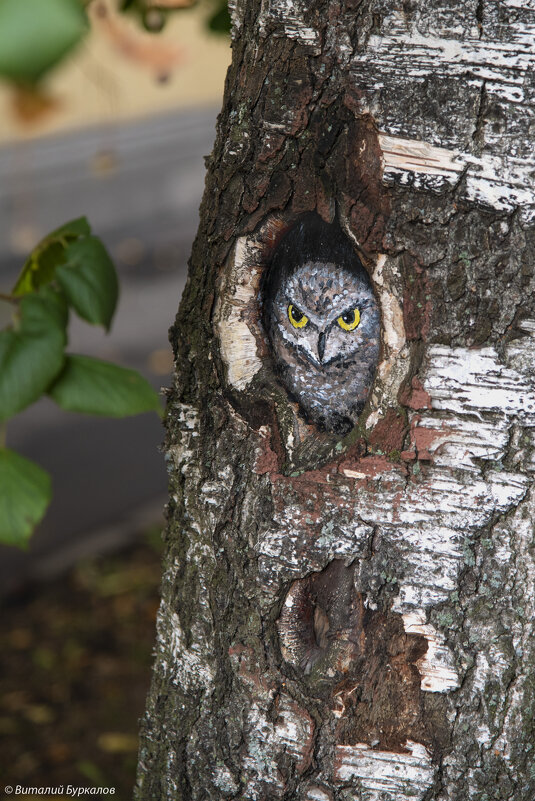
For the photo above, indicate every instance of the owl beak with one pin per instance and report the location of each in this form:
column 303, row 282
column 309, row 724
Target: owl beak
column 321, row 345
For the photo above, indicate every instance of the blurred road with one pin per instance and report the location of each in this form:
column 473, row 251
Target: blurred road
column 140, row 186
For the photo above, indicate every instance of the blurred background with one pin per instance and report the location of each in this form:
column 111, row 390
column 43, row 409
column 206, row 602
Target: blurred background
column 118, row 132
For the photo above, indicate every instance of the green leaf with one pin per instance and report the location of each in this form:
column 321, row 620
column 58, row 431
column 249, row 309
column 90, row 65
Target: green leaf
column 89, row 280
column 31, row 355
column 71, row 230
column 40, row 266
column 56, row 306
column 36, row 34
column 25, row 492
column 92, row 386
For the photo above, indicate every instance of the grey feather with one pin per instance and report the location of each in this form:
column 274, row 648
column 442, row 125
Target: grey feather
column 327, row 369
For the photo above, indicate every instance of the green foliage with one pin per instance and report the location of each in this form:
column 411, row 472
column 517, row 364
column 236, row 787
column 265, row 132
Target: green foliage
column 89, row 281
column 24, row 496
column 49, row 253
column 69, row 268
column 92, row 386
column 31, row 353
column 36, row 34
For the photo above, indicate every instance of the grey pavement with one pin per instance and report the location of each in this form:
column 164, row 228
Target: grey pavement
column 140, row 186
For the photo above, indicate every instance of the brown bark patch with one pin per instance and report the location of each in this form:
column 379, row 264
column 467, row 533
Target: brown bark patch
column 416, row 304
column 267, row 460
column 389, row 433
column 360, row 661
column 426, row 440
column 366, row 202
column 415, row 396
column 382, row 706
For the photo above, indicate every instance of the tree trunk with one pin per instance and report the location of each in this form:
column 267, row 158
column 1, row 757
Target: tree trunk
column 350, row 616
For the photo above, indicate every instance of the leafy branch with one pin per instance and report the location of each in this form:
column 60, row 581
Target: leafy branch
column 69, row 269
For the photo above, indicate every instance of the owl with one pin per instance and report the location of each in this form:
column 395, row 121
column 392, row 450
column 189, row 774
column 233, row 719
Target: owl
column 323, row 323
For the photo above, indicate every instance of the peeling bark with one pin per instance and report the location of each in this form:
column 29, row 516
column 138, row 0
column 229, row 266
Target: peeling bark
column 351, row 618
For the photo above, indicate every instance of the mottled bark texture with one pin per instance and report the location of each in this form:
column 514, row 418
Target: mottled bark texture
column 352, row 618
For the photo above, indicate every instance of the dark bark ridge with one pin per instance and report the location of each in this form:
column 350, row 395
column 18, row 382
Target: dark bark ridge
column 351, row 618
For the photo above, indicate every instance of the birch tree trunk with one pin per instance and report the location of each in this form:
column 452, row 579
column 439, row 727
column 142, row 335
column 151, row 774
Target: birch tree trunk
column 352, row 618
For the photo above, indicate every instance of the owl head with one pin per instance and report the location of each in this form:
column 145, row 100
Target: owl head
column 325, row 311
column 323, row 322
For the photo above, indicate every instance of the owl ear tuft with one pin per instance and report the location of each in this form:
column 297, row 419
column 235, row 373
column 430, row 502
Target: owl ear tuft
column 311, row 239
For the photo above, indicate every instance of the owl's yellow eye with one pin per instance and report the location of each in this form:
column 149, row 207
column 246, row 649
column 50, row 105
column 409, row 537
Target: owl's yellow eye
column 296, row 317
column 349, row 320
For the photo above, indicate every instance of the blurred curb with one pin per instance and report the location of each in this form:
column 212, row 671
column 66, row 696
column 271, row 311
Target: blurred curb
column 99, row 542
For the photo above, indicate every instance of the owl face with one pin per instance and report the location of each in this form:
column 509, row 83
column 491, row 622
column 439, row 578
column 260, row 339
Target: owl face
column 325, row 313
column 323, row 322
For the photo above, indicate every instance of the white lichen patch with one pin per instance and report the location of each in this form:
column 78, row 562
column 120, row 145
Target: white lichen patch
column 189, row 666
column 224, row 780
column 188, row 424
column 385, row 775
column 315, row 793
column 260, row 764
column 267, row 742
column 236, row 10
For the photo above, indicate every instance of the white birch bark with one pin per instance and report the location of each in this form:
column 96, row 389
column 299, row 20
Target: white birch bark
column 429, row 532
